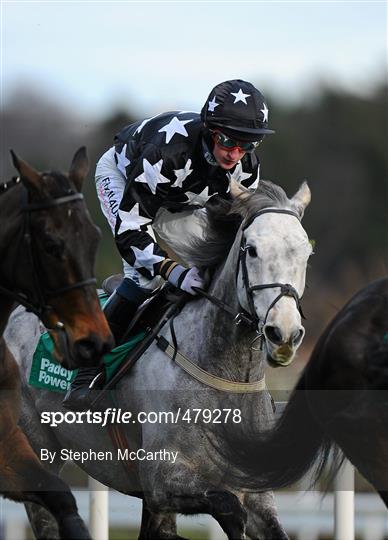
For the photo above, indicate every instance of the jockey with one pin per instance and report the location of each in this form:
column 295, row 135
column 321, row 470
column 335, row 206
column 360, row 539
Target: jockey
column 161, row 172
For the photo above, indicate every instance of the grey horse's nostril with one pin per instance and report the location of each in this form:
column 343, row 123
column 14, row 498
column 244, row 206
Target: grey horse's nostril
column 297, row 336
column 273, row 334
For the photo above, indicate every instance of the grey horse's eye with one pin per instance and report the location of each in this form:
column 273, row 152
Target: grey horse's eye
column 252, row 251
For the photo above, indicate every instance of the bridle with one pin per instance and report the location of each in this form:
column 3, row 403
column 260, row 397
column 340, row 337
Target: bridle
column 251, row 318
column 36, row 300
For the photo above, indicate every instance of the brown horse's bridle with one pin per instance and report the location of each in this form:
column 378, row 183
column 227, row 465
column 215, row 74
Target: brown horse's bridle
column 36, row 300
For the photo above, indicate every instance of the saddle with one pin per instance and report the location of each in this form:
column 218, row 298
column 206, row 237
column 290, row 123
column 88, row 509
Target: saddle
column 150, row 311
column 151, row 316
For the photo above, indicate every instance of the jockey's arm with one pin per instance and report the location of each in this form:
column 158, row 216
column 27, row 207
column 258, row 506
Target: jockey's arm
column 146, row 191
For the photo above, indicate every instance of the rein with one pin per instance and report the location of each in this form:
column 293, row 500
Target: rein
column 39, row 305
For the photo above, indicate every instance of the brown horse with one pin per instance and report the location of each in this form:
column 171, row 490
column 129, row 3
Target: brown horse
column 47, row 245
column 340, row 399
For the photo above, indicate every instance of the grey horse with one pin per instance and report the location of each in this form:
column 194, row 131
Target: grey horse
column 258, row 251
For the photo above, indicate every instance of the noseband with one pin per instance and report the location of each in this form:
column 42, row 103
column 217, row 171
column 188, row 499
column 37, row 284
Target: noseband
column 39, row 304
column 251, row 318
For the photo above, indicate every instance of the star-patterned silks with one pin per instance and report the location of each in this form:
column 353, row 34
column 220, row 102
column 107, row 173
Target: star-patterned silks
column 240, row 96
column 167, row 165
column 255, row 184
column 182, row 174
column 132, row 220
column 122, row 160
column 175, row 126
column 212, row 104
column 152, row 175
column 140, row 127
column 199, row 198
column 145, row 258
column 264, row 110
column 238, row 175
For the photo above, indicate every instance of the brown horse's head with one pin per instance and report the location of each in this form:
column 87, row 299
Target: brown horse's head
column 59, row 246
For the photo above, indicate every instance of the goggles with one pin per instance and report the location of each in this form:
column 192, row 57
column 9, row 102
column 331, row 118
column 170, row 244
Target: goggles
column 227, row 142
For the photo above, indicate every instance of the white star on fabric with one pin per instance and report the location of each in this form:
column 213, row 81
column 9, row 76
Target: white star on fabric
column 175, row 126
column 199, row 198
column 182, row 174
column 238, row 175
column 255, row 184
column 212, row 104
column 122, row 160
column 145, row 258
column 132, row 220
column 264, row 110
column 139, row 128
column 240, row 96
column 152, row 175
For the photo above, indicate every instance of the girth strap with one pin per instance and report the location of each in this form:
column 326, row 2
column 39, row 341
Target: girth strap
column 206, row 378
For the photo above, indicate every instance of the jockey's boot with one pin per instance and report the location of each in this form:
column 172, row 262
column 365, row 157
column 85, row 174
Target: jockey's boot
column 119, row 310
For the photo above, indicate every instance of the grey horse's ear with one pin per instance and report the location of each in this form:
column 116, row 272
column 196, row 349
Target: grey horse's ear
column 28, row 175
column 79, row 168
column 238, row 191
column 302, row 198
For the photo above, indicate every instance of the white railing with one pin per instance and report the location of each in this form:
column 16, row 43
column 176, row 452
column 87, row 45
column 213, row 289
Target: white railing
column 344, row 503
column 305, row 515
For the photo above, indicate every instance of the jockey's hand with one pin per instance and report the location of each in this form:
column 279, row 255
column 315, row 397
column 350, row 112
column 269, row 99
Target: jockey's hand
column 186, row 278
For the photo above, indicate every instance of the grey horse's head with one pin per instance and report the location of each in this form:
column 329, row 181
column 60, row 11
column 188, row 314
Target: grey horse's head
column 277, row 250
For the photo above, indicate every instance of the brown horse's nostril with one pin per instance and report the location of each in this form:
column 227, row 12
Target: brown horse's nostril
column 108, row 344
column 89, row 351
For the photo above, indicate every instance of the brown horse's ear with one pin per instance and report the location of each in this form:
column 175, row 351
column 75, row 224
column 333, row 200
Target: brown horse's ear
column 28, row 175
column 79, row 168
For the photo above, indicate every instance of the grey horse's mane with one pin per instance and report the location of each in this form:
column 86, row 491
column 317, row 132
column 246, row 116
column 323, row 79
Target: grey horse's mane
column 224, row 218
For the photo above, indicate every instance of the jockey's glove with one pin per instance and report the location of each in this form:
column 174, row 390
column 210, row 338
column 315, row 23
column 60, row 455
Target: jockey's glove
column 186, row 278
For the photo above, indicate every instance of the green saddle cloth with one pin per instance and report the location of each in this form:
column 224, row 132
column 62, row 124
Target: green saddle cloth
column 47, row 373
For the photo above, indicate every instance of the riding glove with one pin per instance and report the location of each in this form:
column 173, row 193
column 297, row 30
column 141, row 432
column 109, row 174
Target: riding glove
column 186, row 278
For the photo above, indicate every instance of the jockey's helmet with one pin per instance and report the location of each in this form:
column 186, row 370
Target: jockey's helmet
column 237, row 109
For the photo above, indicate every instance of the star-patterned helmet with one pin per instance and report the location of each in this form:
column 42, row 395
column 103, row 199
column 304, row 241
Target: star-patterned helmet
column 238, row 109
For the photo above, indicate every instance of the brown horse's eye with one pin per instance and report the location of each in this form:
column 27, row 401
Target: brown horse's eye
column 54, row 246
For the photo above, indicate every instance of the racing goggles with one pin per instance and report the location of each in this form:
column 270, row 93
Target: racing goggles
column 226, row 142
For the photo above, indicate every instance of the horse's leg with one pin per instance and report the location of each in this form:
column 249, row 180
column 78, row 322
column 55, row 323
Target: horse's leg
column 24, row 479
column 42, row 523
column 22, row 476
column 224, row 506
column 263, row 521
column 155, row 525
